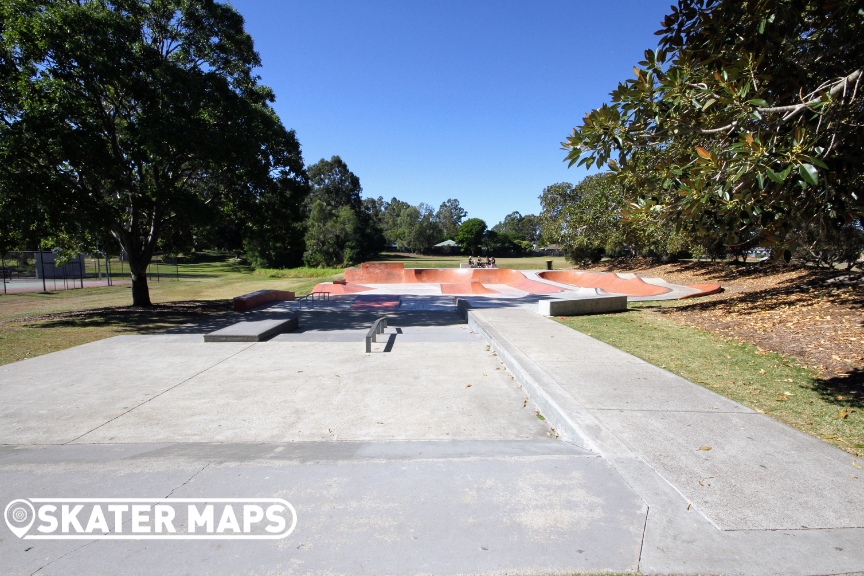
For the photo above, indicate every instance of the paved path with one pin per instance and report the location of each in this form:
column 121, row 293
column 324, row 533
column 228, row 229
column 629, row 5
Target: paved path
column 425, row 456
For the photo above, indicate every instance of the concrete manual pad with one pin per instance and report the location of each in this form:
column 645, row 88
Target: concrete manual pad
column 252, row 330
column 582, row 306
column 525, row 512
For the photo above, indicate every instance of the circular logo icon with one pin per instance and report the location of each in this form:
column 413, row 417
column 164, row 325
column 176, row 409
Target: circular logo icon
column 19, row 515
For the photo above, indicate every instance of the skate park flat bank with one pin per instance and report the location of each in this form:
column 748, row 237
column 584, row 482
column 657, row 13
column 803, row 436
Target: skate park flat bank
column 477, row 436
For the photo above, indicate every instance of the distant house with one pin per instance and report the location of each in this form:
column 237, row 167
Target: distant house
column 446, row 247
column 447, row 244
column 551, row 250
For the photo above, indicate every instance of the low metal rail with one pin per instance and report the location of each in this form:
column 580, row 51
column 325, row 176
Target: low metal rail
column 377, row 328
column 312, row 296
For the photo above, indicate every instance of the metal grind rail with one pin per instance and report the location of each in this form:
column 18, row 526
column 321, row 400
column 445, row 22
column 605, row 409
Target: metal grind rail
column 377, row 328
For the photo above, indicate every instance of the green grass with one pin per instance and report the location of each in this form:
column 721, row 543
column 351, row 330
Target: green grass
column 767, row 382
column 218, row 279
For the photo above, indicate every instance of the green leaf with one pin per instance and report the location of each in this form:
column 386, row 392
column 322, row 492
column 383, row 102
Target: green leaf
column 774, row 176
column 708, row 103
column 809, row 173
column 818, row 162
column 758, row 102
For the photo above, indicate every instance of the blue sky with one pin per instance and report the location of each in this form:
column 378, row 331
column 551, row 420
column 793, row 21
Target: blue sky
column 464, row 99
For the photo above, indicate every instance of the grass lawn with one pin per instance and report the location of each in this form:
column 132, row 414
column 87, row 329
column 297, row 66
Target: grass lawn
column 38, row 323
column 765, row 381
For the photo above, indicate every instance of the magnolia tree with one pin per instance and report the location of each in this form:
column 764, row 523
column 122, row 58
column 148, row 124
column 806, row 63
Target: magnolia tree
column 745, row 123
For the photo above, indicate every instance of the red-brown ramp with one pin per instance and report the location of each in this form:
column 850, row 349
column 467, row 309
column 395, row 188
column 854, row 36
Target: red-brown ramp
column 338, row 288
column 380, row 273
column 472, row 287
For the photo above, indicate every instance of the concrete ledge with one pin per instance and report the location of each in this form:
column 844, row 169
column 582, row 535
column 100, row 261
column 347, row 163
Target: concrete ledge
column 569, row 420
column 582, row 306
column 254, row 331
column 462, row 307
column 255, row 299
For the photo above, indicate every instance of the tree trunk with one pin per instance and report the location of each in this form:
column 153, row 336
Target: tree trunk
column 139, row 259
column 139, row 246
column 140, row 291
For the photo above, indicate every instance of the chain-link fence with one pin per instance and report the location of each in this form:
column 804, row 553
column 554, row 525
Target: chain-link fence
column 44, row 271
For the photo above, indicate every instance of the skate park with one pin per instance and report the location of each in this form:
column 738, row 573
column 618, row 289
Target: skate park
column 475, row 436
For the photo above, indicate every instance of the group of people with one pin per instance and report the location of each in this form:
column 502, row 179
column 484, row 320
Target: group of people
column 480, row 263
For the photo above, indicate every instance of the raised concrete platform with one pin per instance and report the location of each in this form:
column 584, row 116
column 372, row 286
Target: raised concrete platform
column 581, row 306
column 253, row 330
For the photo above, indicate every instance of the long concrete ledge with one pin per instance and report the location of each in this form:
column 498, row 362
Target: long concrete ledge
column 253, row 331
column 569, row 420
column 583, row 306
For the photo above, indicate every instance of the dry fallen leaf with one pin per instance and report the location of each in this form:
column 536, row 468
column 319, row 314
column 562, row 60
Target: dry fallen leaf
column 856, row 465
column 706, row 448
column 467, row 385
column 842, row 415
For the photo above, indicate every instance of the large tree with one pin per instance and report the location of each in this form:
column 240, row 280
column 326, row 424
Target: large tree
column 746, row 123
column 593, row 219
column 471, row 235
column 521, row 227
column 341, row 230
column 450, row 215
column 134, row 116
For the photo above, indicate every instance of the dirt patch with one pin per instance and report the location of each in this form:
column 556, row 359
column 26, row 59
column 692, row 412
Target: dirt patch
column 816, row 316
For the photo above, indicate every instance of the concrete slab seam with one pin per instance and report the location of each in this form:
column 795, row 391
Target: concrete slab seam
column 161, row 393
column 644, row 526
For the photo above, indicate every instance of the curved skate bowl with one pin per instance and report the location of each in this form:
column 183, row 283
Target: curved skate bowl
column 501, row 281
column 451, row 280
column 611, row 282
column 608, row 282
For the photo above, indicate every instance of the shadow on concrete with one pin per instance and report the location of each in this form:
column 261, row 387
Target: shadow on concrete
column 325, row 320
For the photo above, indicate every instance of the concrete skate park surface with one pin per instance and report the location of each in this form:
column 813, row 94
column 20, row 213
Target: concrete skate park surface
column 426, row 455
column 383, row 277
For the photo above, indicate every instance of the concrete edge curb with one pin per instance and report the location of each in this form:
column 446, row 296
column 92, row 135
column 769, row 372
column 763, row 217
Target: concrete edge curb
column 572, row 423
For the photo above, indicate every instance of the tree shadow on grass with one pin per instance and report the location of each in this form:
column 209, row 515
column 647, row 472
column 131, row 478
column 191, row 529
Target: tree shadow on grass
column 135, row 319
column 828, row 286
column 846, row 390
